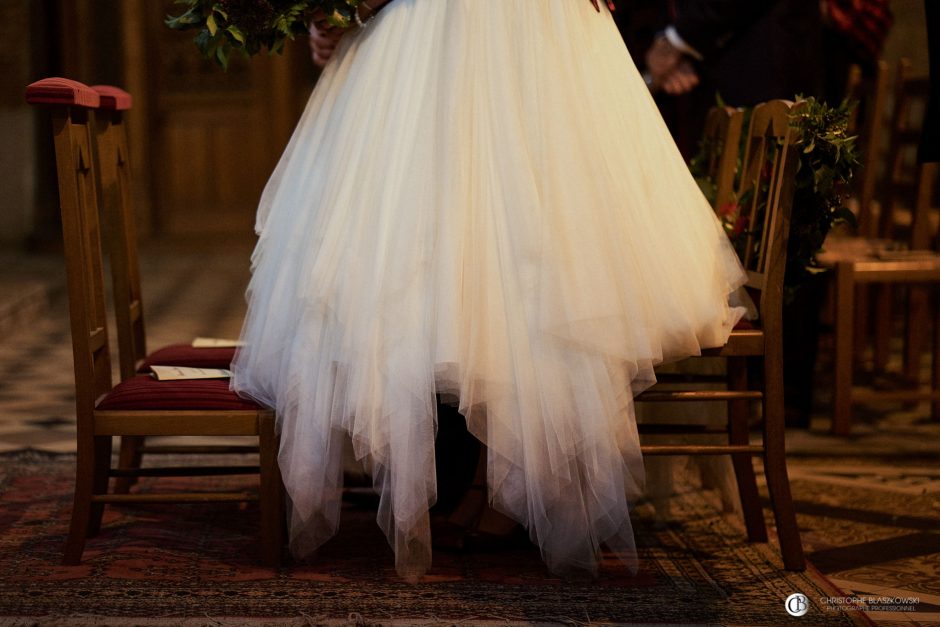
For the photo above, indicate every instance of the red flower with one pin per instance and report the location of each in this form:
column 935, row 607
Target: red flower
column 729, row 209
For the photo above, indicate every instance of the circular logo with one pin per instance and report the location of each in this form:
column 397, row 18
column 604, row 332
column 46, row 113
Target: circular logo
column 797, row 604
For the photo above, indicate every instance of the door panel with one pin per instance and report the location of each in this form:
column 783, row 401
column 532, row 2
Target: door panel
column 215, row 135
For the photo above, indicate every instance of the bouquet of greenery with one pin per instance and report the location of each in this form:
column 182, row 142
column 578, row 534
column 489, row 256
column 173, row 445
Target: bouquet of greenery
column 250, row 26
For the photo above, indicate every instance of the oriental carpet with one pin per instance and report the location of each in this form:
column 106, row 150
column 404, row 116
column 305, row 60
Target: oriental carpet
column 178, row 563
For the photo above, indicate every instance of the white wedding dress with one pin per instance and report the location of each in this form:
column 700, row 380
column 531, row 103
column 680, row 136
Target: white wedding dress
column 481, row 200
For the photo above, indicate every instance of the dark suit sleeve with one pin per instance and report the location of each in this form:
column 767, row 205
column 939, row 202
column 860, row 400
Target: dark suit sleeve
column 707, row 25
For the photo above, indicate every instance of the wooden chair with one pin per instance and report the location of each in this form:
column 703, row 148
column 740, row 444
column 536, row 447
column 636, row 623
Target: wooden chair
column 898, row 192
column 916, row 267
column 139, row 406
column 769, row 141
column 901, row 217
column 116, row 201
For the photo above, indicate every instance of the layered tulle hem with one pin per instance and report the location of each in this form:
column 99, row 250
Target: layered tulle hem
column 480, row 201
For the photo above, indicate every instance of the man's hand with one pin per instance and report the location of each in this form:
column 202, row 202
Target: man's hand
column 681, row 80
column 669, row 68
column 662, row 59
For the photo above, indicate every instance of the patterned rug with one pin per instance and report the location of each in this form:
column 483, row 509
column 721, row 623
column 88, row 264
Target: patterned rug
column 170, row 564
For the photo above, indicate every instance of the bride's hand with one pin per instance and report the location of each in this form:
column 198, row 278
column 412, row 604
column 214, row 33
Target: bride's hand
column 324, row 36
column 323, row 39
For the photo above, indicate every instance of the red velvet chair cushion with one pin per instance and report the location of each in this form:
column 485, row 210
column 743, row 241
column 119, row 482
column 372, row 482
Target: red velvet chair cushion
column 114, row 98
column 62, row 91
column 745, row 325
column 186, row 355
column 144, row 392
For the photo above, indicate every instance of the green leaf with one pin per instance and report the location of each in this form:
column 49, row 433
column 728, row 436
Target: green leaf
column 236, row 34
column 211, row 25
column 222, row 56
column 190, row 19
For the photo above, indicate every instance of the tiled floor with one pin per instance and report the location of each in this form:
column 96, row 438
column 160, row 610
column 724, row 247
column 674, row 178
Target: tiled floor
column 869, row 505
column 188, row 292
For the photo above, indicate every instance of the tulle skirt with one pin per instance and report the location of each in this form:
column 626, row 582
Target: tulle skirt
column 481, row 201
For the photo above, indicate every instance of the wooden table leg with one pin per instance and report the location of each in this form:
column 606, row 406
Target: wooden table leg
column 844, row 324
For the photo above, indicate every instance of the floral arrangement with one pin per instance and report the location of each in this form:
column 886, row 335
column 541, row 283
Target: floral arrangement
column 250, row 26
column 828, row 158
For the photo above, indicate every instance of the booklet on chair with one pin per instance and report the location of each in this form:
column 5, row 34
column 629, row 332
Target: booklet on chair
column 216, row 342
column 181, row 373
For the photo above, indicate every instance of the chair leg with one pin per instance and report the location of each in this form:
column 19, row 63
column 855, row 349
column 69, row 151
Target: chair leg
column 130, row 458
column 81, row 504
column 775, row 468
column 918, row 315
column 935, row 406
column 100, row 482
column 862, row 322
column 842, row 360
column 743, row 463
column 882, row 327
column 272, row 495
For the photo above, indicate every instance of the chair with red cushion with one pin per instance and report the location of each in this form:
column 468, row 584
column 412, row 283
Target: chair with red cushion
column 770, row 148
column 139, row 406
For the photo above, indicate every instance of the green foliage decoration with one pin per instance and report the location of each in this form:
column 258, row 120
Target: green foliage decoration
column 251, row 26
column 828, row 160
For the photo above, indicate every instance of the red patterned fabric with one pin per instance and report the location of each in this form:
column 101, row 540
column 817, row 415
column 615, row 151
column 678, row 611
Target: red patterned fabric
column 865, row 23
column 114, row 98
column 186, row 355
column 62, row 91
column 145, row 392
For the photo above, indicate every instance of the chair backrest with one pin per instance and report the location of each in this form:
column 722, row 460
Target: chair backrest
column 766, row 189
column 899, row 188
column 116, row 199
column 71, row 104
column 923, row 235
column 872, row 96
column 722, row 139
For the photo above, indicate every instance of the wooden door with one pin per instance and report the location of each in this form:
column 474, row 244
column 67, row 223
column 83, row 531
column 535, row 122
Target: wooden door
column 215, row 136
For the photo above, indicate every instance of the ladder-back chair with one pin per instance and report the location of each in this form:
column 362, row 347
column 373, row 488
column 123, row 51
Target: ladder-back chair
column 918, row 268
column 139, row 406
column 770, row 147
column 898, row 192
